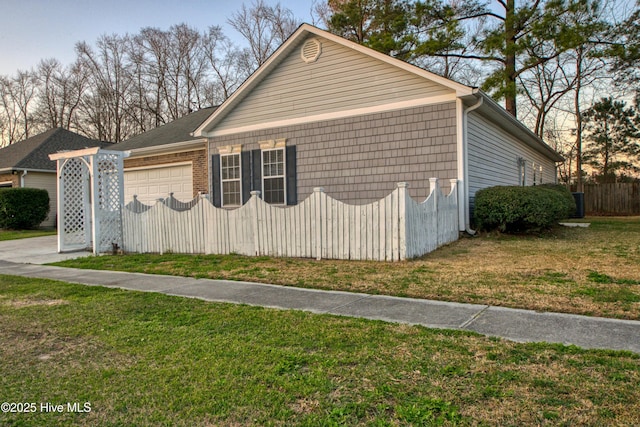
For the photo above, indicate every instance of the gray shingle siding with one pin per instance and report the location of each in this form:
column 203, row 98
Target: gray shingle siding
column 360, row 159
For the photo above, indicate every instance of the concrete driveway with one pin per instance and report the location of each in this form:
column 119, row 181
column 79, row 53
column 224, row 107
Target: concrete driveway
column 35, row 250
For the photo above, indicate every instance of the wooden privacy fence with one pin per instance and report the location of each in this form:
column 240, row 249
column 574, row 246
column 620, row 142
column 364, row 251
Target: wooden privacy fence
column 391, row 229
column 612, row 199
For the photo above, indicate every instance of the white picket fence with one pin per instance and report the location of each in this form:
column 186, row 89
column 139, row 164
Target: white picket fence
column 391, row 229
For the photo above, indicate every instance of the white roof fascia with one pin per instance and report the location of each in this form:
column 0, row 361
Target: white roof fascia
column 304, row 30
column 10, row 170
column 176, row 147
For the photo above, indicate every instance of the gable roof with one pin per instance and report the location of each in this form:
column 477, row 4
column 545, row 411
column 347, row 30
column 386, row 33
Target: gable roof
column 177, row 131
column 33, row 153
column 470, row 95
column 292, row 43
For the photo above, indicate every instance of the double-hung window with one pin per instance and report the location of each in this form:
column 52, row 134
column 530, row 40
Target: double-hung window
column 270, row 169
column 522, row 171
column 231, row 174
column 273, row 176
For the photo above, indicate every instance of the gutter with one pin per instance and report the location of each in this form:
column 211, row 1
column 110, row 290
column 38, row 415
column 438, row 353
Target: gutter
column 24, row 173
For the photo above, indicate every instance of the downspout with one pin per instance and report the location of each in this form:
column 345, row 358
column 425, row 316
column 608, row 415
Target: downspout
column 24, row 173
column 465, row 149
column 209, row 172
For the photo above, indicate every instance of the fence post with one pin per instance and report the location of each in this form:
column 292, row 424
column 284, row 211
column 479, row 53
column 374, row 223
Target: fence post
column 402, row 220
column 255, row 195
column 433, row 187
column 317, row 191
column 454, row 186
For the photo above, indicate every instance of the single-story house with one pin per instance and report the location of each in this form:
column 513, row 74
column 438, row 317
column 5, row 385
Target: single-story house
column 26, row 163
column 323, row 111
column 167, row 159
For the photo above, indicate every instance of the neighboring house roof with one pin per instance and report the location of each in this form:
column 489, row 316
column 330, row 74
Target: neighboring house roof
column 33, row 153
column 469, row 95
column 175, row 132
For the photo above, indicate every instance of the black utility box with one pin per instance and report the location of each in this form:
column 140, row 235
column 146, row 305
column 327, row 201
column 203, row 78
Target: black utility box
column 579, row 198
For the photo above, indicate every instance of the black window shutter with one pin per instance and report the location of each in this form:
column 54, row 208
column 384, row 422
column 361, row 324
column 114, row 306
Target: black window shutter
column 245, row 165
column 256, row 170
column 216, row 191
column 291, row 177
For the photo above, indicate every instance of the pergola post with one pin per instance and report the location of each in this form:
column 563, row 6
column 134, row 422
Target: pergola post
column 90, row 199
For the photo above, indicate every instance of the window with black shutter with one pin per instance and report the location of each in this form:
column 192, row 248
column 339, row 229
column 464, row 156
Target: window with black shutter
column 230, row 178
column 270, row 170
column 274, row 189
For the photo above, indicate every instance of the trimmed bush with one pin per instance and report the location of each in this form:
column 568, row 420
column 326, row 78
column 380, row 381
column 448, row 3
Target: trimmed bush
column 23, row 208
column 518, row 209
column 568, row 196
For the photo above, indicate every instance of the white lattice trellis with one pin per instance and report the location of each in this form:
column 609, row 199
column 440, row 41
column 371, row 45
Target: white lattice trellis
column 90, row 199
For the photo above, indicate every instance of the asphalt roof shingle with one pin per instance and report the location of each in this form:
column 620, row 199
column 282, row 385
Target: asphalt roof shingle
column 33, row 153
column 178, row 130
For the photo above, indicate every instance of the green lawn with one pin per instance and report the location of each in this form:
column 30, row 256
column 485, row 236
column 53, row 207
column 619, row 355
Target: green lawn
column 156, row 360
column 23, row 234
column 590, row 271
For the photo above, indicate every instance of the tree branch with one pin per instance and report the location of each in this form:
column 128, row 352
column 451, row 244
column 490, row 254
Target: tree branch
column 462, row 56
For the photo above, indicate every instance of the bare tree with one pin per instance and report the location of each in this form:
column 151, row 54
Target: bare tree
column 9, row 121
column 225, row 61
column 150, row 53
column 16, row 98
column 186, row 71
column 123, row 85
column 264, row 27
column 105, row 106
column 60, row 93
column 544, row 86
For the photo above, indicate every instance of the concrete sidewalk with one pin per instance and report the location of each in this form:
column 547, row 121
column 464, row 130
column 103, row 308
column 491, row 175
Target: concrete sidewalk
column 512, row 324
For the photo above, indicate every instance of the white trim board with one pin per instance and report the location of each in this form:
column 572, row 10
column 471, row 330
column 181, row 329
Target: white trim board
column 420, row 102
column 174, row 148
column 159, row 166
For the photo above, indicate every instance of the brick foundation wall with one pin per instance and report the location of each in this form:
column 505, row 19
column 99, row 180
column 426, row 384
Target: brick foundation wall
column 198, row 159
column 10, row 177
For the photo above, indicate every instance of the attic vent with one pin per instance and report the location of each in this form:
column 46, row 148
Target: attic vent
column 311, row 50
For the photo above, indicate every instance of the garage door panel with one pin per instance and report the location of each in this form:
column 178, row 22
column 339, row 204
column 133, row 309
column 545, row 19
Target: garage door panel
column 152, row 184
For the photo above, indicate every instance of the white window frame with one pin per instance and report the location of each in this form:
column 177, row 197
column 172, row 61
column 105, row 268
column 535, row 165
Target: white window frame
column 269, row 146
column 225, row 153
column 522, row 171
column 539, row 174
column 6, row 184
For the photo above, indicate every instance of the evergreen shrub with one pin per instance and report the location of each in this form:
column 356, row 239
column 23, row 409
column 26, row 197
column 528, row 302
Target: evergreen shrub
column 522, row 209
column 23, row 208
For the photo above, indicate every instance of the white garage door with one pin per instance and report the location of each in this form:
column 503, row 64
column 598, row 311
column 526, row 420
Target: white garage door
column 157, row 182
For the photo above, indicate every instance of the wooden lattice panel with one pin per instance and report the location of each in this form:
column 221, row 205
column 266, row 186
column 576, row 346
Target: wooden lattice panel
column 75, row 218
column 109, row 200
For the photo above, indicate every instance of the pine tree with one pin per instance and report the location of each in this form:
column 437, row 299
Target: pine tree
column 613, row 139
